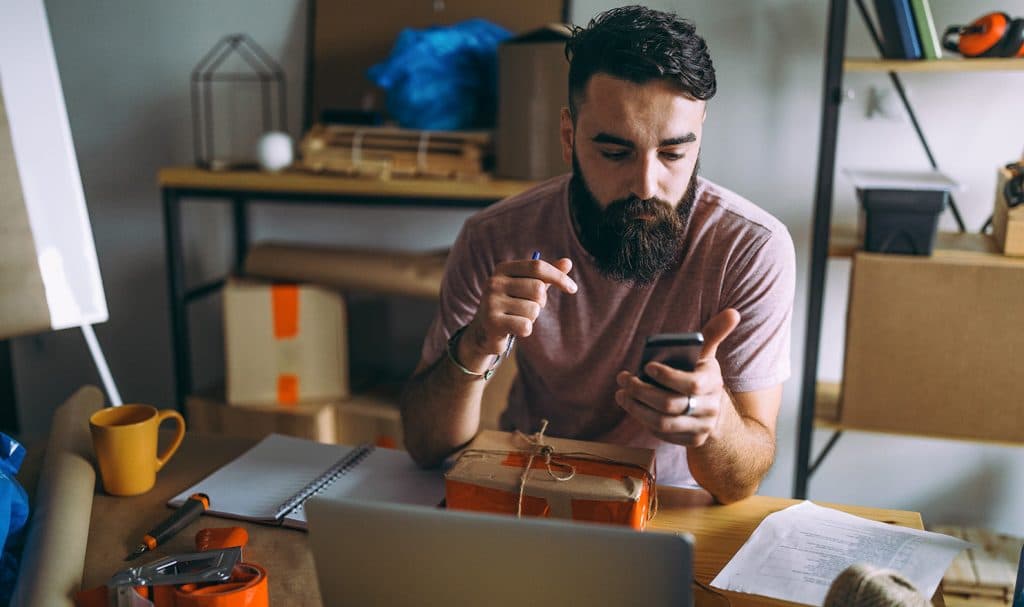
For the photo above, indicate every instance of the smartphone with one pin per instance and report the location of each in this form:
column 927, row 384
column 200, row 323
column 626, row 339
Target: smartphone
column 677, row 350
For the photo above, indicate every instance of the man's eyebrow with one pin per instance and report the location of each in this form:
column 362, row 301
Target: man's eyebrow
column 608, row 138
column 687, row 138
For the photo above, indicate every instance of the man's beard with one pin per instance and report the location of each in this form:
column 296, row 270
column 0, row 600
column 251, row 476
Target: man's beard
column 632, row 240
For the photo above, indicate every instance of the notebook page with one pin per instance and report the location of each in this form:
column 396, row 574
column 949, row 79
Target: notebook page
column 385, row 475
column 254, row 484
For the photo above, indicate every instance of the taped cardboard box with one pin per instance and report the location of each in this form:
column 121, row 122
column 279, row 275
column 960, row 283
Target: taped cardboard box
column 582, row 480
column 1007, row 223
column 374, row 416
column 208, row 413
column 371, row 416
column 284, row 343
column 933, row 344
column 533, row 76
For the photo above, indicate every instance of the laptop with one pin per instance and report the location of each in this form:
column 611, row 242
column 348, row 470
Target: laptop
column 375, row 553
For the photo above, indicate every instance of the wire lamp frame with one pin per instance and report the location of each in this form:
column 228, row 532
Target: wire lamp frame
column 265, row 71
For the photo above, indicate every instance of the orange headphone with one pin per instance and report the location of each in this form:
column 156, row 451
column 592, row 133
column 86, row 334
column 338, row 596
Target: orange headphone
column 993, row 35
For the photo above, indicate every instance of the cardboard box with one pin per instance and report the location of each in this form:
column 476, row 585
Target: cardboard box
column 1007, row 223
column 347, row 38
column 372, row 416
column 284, row 343
column 386, row 272
column 585, row 481
column 533, row 77
column 209, row 414
column 933, row 344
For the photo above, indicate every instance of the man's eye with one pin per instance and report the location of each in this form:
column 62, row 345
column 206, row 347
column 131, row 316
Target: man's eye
column 672, row 156
column 618, row 155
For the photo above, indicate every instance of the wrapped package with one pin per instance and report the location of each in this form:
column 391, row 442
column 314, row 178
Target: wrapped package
column 534, row 475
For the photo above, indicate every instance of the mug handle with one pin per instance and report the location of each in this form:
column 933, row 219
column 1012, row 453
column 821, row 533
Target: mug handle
column 165, row 414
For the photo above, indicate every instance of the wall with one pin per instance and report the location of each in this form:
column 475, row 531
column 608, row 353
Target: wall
column 125, row 68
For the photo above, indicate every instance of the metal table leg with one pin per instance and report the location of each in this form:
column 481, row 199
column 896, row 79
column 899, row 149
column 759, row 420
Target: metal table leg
column 241, row 216
column 182, row 362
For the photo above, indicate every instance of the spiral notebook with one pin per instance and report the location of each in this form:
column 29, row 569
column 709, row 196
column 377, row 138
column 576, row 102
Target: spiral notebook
column 271, row 482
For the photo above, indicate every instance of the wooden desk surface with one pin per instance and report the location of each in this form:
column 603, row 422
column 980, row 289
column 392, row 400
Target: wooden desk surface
column 117, row 524
column 296, row 182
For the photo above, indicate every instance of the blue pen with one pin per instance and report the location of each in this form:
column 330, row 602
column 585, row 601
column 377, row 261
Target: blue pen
column 512, row 338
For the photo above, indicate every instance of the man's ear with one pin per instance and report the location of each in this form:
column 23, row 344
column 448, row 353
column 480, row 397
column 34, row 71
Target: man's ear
column 566, row 133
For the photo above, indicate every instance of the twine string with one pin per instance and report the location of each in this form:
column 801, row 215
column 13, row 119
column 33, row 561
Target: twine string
column 357, row 147
column 558, row 466
column 421, row 152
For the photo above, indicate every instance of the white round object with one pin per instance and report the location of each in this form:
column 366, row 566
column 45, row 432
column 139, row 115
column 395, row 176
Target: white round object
column 275, row 151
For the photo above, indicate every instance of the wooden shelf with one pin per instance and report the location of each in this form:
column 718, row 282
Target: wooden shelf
column 843, row 242
column 826, row 405
column 933, row 65
column 297, row 182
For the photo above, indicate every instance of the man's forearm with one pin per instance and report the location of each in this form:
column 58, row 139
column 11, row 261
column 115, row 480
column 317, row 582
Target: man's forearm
column 734, row 459
column 440, row 411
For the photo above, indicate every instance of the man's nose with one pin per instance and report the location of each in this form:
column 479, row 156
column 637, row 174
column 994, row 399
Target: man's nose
column 645, row 181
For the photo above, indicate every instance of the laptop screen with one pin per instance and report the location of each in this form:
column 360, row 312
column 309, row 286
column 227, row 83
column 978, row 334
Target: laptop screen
column 392, row 554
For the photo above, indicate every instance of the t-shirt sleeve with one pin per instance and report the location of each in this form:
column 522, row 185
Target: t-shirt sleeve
column 461, row 288
column 756, row 355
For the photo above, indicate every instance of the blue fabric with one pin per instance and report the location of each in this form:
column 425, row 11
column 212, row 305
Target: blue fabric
column 13, row 514
column 443, row 78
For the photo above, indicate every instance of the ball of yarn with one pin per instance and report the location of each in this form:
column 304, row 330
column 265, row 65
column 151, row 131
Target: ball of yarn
column 864, row 585
column 274, row 151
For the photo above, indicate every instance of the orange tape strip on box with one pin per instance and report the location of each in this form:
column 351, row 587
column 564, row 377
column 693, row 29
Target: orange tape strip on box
column 581, row 480
column 285, row 305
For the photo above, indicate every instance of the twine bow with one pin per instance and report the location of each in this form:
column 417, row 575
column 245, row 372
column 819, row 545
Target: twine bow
column 538, row 448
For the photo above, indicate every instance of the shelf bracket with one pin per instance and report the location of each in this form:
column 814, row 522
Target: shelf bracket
column 821, row 456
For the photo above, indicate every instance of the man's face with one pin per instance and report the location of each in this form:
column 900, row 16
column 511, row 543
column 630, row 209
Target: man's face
column 634, row 150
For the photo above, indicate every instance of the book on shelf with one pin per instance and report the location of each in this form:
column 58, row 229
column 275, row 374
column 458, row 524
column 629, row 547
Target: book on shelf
column 900, row 39
column 925, row 23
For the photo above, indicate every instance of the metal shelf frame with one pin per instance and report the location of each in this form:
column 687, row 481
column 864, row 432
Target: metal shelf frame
column 832, row 97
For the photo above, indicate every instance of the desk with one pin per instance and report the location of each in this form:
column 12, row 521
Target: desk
column 242, row 187
column 117, row 523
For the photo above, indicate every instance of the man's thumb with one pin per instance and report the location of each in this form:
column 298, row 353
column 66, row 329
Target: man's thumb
column 717, row 329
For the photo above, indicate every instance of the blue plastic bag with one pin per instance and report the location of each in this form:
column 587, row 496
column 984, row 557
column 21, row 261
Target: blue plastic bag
column 443, row 78
column 13, row 514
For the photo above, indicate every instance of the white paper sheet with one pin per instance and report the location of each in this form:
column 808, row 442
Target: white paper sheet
column 795, row 554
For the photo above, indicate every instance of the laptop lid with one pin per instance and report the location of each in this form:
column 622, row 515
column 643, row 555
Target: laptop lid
column 373, row 553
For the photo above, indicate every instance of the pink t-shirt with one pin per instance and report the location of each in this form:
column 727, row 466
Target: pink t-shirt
column 737, row 255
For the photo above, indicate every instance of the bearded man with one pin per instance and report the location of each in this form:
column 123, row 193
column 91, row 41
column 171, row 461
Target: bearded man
column 633, row 243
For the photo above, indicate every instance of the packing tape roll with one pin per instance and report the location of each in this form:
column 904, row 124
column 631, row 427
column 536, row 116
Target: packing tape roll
column 246, row 588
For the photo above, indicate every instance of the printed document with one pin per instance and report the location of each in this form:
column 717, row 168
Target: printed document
column 796, row 553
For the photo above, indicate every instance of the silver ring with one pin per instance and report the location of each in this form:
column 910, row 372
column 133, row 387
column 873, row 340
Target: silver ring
column 689, row 405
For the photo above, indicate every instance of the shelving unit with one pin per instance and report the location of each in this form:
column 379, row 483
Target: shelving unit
column 819, row 401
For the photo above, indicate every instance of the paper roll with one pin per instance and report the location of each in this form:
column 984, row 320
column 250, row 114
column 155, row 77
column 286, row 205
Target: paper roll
column 58, row 534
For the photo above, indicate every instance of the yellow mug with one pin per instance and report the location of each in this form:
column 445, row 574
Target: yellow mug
column 125, row 441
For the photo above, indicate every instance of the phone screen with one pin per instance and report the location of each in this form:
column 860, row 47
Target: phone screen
column 677, row 350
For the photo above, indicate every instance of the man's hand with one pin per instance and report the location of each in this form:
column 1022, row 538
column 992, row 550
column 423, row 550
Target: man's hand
column 511, row 301
column 686, row 411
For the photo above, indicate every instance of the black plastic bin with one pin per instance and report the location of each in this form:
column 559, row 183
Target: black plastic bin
column 900, row 221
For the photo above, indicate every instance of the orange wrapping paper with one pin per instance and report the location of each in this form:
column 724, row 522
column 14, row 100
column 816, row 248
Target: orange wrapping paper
column 608, row 484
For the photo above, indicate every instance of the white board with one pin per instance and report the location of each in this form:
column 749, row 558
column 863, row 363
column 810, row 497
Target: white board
column 50, row 185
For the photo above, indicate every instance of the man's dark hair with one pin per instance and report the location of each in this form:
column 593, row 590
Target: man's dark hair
column 639, row 44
